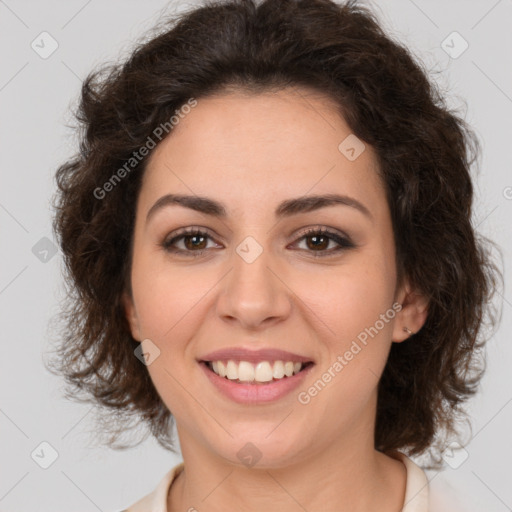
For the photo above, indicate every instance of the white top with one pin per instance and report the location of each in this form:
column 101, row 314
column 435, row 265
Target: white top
column 416, row 491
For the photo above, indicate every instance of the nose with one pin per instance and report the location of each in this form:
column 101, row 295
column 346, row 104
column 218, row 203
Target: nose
column 254, row 294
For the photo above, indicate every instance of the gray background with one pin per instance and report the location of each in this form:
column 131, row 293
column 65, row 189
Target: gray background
column 35, row 97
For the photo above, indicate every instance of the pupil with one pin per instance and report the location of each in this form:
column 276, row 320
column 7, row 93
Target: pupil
column 316, row 239
column 196, row 237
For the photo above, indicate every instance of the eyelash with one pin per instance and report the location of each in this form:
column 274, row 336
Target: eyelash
column 343, row 242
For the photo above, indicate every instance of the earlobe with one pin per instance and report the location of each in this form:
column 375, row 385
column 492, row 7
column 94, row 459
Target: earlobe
column 131, row 315
column 412, row 316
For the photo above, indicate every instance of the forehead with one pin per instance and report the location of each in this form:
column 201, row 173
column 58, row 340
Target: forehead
column 253, row 147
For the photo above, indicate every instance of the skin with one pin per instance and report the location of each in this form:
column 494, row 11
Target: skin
column 251, row 152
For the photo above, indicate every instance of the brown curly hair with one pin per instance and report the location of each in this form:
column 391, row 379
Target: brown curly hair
column 424, row 150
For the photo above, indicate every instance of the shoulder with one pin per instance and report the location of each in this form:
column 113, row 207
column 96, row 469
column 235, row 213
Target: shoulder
column 417, row 488
column 424, row 494
column 156, row 500
column 447, row 495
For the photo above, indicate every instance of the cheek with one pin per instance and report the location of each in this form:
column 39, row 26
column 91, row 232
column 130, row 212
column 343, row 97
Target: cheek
column 170, row 307
column 166, row 295
column 354, row 302
column 356, row 305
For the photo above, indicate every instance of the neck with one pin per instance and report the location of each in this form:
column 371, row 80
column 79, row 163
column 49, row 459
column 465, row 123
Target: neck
column 349, row 475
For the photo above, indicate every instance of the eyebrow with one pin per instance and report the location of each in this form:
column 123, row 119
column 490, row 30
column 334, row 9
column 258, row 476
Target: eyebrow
column 287, row 208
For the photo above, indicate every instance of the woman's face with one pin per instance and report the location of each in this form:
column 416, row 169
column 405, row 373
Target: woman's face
column 262, row 276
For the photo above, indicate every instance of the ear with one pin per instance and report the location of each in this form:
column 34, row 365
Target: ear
column 410, row 319
column 131, row 315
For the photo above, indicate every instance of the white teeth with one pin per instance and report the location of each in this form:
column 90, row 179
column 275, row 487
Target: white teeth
column 288, row 368
column 263, row 371
column 222, row 368
column 245, row 371
column 278, row 372
column 232, row 370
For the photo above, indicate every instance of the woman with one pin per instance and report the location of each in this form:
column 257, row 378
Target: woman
column 268, row 236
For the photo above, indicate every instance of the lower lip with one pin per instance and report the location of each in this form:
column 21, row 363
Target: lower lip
column 256, row 393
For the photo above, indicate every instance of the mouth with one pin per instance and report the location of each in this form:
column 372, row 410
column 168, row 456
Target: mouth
column 256, row 373
column 248, row 376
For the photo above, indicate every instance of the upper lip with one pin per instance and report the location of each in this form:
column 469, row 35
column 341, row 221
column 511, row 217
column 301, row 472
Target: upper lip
column 254, row 356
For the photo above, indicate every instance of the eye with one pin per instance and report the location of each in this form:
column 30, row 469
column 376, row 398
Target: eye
column 317, row 240
column 194, row 241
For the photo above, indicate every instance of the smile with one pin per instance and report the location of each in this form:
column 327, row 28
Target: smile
column 260, row 373
column 264, row 381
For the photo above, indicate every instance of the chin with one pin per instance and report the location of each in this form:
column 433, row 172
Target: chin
column 259, row 450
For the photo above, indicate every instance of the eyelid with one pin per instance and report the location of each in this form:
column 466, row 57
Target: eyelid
column 318, row 228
